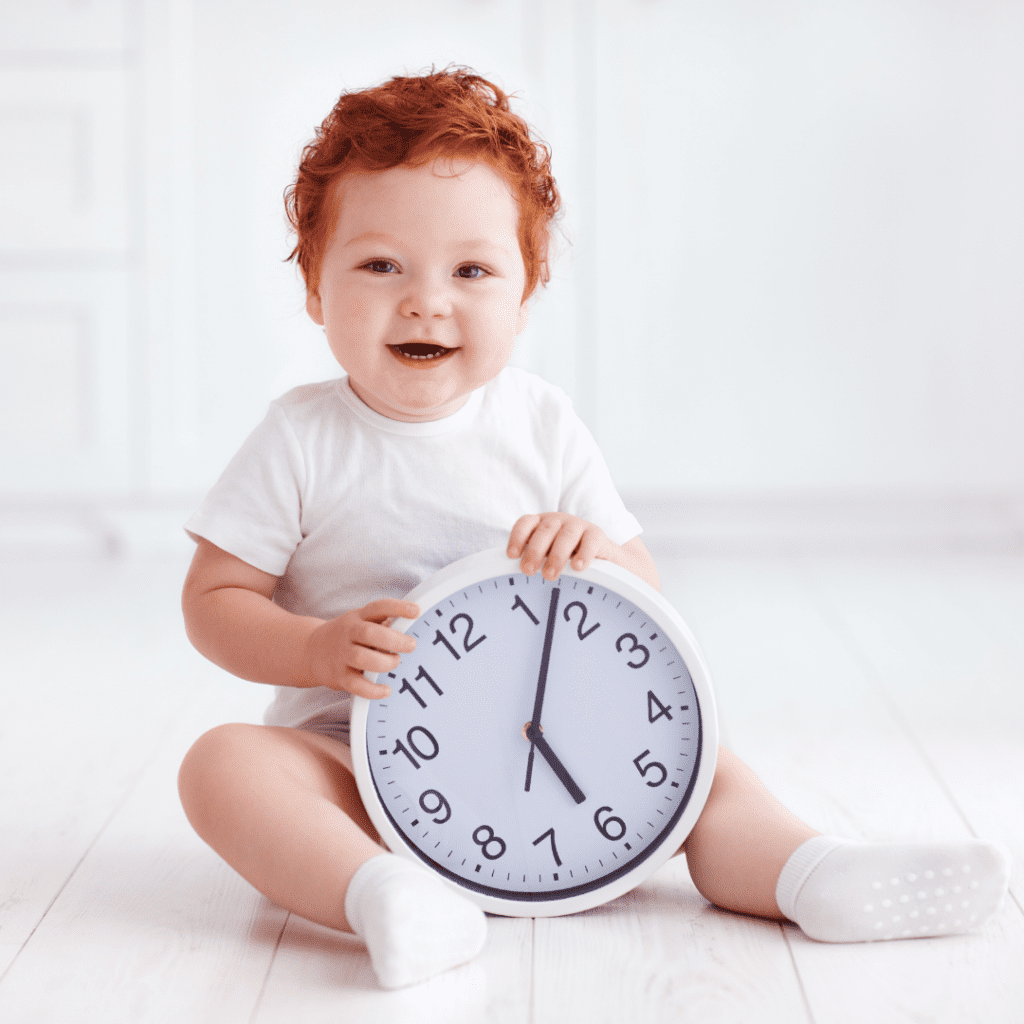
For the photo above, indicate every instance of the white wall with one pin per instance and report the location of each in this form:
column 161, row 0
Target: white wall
column 796, row 231
column 811, row 245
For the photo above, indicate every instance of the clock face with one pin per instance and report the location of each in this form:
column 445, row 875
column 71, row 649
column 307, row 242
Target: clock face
column 539, row 821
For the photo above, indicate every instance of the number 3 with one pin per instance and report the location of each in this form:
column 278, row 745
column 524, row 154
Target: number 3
column 637, row 646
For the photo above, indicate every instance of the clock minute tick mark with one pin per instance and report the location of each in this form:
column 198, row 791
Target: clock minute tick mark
column 675, row 785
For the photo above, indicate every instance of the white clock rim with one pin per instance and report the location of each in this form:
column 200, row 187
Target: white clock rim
column 495, row 562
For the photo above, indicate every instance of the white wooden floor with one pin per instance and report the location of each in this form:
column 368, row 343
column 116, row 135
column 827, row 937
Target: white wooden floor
column 879, row 697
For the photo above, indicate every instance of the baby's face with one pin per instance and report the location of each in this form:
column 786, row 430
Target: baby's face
column 421, row 286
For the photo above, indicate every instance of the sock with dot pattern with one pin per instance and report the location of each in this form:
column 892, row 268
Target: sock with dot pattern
column 413, row 925
column 842, row 891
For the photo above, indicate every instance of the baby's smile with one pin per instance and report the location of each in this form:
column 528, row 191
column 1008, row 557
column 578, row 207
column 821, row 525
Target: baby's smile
column 427, row 351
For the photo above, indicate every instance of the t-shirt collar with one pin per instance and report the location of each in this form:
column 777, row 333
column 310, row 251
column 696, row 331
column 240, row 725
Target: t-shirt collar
column 429, row 428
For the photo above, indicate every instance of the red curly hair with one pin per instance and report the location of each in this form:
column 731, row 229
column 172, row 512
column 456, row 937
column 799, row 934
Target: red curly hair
column 411, row 121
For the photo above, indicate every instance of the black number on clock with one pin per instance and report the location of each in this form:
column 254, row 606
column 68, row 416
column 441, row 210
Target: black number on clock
column 401, row 748
column 484, row 843
column 643, row 770
column 637, row 646
column 550, row 834
column 440, row 638
column 583, row 618
column 663, row 711
column 605, row 827
column 520, row 603
column 466, row 645
column 408, row 688
column 441, row 803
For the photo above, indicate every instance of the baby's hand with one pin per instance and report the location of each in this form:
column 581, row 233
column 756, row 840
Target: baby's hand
column 550, row 539
column 338, row 652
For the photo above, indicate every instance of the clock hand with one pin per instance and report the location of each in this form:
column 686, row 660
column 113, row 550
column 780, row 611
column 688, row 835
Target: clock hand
column 536, row 738
column 529, row 768
column 545, row 657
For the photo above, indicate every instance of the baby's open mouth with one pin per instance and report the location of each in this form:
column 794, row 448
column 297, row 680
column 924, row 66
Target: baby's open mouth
column 420, row 350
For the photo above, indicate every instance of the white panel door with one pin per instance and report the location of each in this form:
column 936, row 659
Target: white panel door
column 64, row 383
column 67, row 290
column 63, row 178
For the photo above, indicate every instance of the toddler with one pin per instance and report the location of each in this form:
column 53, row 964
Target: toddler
column 423, row 211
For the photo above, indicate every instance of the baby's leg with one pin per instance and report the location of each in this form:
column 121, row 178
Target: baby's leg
column 742, row 840
column 748, row 853
column 282, row 809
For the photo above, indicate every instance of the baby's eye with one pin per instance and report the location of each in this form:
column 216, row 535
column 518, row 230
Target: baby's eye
column 471, row 271
column 381, row 267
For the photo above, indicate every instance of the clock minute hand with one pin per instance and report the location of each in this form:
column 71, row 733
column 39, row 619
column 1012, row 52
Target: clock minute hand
column 542, row 678
column 545, row 657
column 534, row 735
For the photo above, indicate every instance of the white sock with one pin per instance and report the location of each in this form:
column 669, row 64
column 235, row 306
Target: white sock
column 842, row 891
column 412, row 924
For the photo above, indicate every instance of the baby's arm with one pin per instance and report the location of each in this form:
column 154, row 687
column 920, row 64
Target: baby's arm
column 549, row 540
column 231, row 619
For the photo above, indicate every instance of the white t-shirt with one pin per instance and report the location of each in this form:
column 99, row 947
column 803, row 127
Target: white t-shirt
column 347, row 506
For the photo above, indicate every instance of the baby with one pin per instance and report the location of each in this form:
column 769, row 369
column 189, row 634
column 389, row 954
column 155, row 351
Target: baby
column 423, row 212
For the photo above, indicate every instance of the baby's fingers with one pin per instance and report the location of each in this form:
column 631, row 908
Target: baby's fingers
column 550, row 545
column 358, row 685
column 382, row 638
column 389, row 608
column 524, row 526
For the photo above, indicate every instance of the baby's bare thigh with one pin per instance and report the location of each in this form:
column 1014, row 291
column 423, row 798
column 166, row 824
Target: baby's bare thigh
column 311, row 761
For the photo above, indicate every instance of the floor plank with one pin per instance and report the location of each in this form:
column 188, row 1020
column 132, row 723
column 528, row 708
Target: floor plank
column 151, row 929
column 95, row 662
column 662, row 954
column 325, row 976
column 945, row 643
column 845, row 750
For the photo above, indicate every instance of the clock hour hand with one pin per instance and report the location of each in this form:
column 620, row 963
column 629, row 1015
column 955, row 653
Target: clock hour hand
column 533, row 734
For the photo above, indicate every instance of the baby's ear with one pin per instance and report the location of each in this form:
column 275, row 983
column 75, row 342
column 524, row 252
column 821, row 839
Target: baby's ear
column 522, row 318
column 314, row 308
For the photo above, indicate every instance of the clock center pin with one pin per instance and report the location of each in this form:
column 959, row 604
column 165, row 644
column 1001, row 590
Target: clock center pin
column 526, row 729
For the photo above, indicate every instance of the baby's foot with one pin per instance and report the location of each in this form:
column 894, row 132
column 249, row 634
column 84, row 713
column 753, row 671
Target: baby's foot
column 841, row 891
column 414, row 926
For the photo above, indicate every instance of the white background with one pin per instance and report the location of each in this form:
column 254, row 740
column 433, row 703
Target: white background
column 791, row 268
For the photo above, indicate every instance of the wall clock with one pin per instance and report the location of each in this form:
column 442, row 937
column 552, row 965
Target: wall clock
column 548, row 745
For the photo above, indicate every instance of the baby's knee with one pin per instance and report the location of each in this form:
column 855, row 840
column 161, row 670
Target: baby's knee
column 211, row 759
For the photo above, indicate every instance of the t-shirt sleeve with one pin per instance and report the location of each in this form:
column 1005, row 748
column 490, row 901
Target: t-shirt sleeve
column 254, row 510
column 587, row 487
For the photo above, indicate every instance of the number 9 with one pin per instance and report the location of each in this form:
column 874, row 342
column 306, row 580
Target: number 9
column 441, row 802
